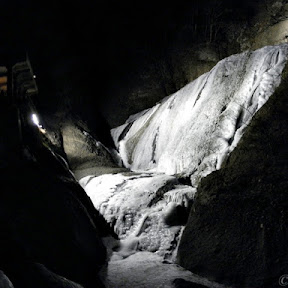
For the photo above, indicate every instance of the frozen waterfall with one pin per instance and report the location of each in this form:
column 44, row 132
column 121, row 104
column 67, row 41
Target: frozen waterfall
column 187, row 135
column 192, row 131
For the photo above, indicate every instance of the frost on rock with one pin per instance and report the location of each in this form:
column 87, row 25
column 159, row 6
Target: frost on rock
column 187, row 135
column 193, row 131
column 136, row 205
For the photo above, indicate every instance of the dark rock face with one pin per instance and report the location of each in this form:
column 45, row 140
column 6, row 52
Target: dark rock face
column 83, row 150
column 50, row 231
column 157, row 76
column 237, row 229
column 4, row 281
column 45, row 221
column 31, row 274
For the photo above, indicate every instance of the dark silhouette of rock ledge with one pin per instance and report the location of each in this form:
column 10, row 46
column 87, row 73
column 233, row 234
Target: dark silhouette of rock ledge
column 45, row 221
column 4, row 281
column 238, row 225
column 51, row 234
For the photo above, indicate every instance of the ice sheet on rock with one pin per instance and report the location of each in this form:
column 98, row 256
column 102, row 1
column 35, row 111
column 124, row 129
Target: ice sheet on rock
column 116, row 133
column 194, row 130
column 120, row 198
column 133, row 117
column 143, row 119
column 135, row 206
column 180, row 195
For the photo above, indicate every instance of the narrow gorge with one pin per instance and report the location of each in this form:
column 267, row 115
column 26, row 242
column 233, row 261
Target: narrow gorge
column 171, row 147
column 144, row 146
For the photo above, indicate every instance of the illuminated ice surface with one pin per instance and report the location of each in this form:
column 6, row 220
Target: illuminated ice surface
column 192, row 131
column 137, row 205
column 188, row 135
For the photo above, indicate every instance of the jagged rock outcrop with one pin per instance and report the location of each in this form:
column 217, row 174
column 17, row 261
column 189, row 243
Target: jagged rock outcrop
column 237, row 229
column 49, row 224
column 86, row 155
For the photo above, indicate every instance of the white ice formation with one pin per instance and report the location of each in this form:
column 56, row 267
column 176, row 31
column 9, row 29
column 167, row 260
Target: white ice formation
column 192, row 131
column 136, row 205
column 189, row 134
